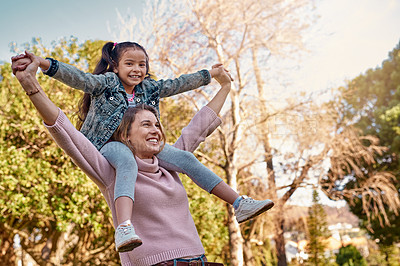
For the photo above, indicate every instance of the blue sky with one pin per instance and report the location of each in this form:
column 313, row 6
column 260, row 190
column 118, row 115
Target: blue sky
column 22, row 20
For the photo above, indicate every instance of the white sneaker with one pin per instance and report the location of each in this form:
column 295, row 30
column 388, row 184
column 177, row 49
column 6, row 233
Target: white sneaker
column 126, row 239
column 250, row 208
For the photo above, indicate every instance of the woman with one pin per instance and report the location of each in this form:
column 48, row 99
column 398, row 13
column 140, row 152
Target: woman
column 171, row 234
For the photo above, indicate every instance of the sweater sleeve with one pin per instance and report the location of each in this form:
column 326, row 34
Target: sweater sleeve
column 183, row 83
column 77, row 79
column 201, row 126
column 81, row 151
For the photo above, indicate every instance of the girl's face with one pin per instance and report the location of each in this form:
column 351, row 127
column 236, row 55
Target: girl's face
column 145, row 135
column 131, row 68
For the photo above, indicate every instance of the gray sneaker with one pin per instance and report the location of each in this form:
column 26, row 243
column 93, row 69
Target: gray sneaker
column 126, row 239
column 250, row 208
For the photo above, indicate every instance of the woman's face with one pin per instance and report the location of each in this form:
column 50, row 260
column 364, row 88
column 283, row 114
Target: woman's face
column 145, row 135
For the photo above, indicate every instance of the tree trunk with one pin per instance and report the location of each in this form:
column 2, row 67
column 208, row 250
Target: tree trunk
column 263, row 129
column 248, row 254
column 279, row 237
column 235, row 240
column 7, row 254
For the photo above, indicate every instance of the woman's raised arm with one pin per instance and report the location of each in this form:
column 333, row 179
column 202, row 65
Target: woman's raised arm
column 27, row 78
column 74, row 143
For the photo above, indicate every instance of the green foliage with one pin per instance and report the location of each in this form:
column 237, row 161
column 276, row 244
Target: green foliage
column 317, row 231
column 372, row 102
column 42, row 192
column 385, row 255
column 350, row 256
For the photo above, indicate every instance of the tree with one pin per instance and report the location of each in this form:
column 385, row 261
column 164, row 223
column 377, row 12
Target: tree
column 349, row 255
column 317, row 231
column 372, row 103
column 59, row 215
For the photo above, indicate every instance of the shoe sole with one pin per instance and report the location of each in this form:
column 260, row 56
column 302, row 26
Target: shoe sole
column 129, row 246
column 263, row 209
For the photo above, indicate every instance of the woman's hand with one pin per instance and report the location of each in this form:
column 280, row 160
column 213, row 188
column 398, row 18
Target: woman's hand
column 26, row 75
column 21, row 61
column 24, row 67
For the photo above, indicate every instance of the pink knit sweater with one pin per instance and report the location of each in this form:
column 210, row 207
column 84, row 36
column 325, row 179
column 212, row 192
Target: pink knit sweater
column 161, row 214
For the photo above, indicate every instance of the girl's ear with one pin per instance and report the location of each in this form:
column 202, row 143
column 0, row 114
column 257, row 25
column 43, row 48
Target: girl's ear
column 115, row 70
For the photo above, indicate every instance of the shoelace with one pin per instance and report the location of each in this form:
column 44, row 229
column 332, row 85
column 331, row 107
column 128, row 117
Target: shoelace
column 125, row 229
column 249, row 200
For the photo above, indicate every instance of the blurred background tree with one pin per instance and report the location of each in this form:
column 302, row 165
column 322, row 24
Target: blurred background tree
column 349, row 255
column 59, row 216
column 317, row 232
column 372, row 103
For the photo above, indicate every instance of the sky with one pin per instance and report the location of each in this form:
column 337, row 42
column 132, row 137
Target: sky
column 22, row 20
column 353, row 35
column 350, row 37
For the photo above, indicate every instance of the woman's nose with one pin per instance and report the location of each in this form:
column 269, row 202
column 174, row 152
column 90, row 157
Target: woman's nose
column 154, row 129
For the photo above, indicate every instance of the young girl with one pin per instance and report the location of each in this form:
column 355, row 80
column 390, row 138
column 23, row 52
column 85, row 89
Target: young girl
column 121, row 80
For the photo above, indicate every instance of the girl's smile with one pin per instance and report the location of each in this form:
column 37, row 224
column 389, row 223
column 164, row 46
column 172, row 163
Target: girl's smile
column 131, row 68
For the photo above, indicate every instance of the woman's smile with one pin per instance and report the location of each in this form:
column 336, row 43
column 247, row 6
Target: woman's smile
column 145, row 134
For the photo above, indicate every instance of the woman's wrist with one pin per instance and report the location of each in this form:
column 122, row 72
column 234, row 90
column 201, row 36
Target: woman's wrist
column 30, row 84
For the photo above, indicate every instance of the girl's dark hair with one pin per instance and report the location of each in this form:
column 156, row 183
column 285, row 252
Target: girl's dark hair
column 122, row 132
column 110, row 55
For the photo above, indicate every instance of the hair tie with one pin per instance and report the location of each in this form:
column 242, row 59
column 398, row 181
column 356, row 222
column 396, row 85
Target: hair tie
column 115, row 44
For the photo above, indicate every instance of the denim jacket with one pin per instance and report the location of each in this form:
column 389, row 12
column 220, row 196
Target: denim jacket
column 109, row 100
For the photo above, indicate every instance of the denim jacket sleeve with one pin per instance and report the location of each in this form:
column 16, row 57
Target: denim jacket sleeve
column 186, row 82
column 77, row 79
